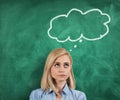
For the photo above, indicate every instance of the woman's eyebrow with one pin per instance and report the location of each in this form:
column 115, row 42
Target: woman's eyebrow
column 57, row 62
column 66, row 62
column 60, row 62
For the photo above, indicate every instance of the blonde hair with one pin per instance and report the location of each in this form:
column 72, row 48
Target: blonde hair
column 47, row 82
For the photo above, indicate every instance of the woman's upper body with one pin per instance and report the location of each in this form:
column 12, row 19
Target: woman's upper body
column 67, row 94
column 58, row 81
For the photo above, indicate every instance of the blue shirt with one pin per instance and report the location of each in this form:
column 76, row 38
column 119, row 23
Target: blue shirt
column 67, row 94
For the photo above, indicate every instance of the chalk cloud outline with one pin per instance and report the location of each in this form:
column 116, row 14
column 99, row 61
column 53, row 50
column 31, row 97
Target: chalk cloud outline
column 81, row 36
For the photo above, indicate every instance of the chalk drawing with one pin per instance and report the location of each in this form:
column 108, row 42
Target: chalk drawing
column 81, row 37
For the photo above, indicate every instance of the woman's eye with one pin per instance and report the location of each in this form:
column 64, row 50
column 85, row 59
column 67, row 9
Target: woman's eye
column 66, row 65
column 57, row 65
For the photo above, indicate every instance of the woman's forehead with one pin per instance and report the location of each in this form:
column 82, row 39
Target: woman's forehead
column 63, row 58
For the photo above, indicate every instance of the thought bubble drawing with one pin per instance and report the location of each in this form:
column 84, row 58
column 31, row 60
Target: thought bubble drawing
column 77, row 25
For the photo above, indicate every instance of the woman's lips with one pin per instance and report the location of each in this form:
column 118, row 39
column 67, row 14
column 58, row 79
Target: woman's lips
column 62, row 75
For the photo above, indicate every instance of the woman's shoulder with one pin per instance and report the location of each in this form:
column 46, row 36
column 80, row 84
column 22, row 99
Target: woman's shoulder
column 79, row 95
column 39, row 90
column 36, row 94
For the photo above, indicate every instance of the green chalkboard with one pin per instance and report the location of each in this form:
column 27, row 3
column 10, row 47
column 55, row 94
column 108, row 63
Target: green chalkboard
column 88, row 29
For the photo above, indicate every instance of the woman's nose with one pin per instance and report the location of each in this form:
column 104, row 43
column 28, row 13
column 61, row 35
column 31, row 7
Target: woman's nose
column 61, row 69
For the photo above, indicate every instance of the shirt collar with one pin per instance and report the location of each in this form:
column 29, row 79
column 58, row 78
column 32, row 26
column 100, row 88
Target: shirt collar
column 50, row 90
column 66, row 89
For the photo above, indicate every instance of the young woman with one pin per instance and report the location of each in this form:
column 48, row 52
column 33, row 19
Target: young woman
column 58, row 80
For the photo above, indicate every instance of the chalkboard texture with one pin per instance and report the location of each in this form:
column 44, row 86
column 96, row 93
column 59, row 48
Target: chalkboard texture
column 88, row 29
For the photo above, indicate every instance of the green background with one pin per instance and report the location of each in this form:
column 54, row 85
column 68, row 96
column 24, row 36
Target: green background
column 24, row 46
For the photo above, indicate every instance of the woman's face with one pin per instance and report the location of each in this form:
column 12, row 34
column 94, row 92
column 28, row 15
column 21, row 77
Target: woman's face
column 61, row 69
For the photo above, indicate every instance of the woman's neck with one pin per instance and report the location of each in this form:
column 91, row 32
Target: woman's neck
column 60, row 85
